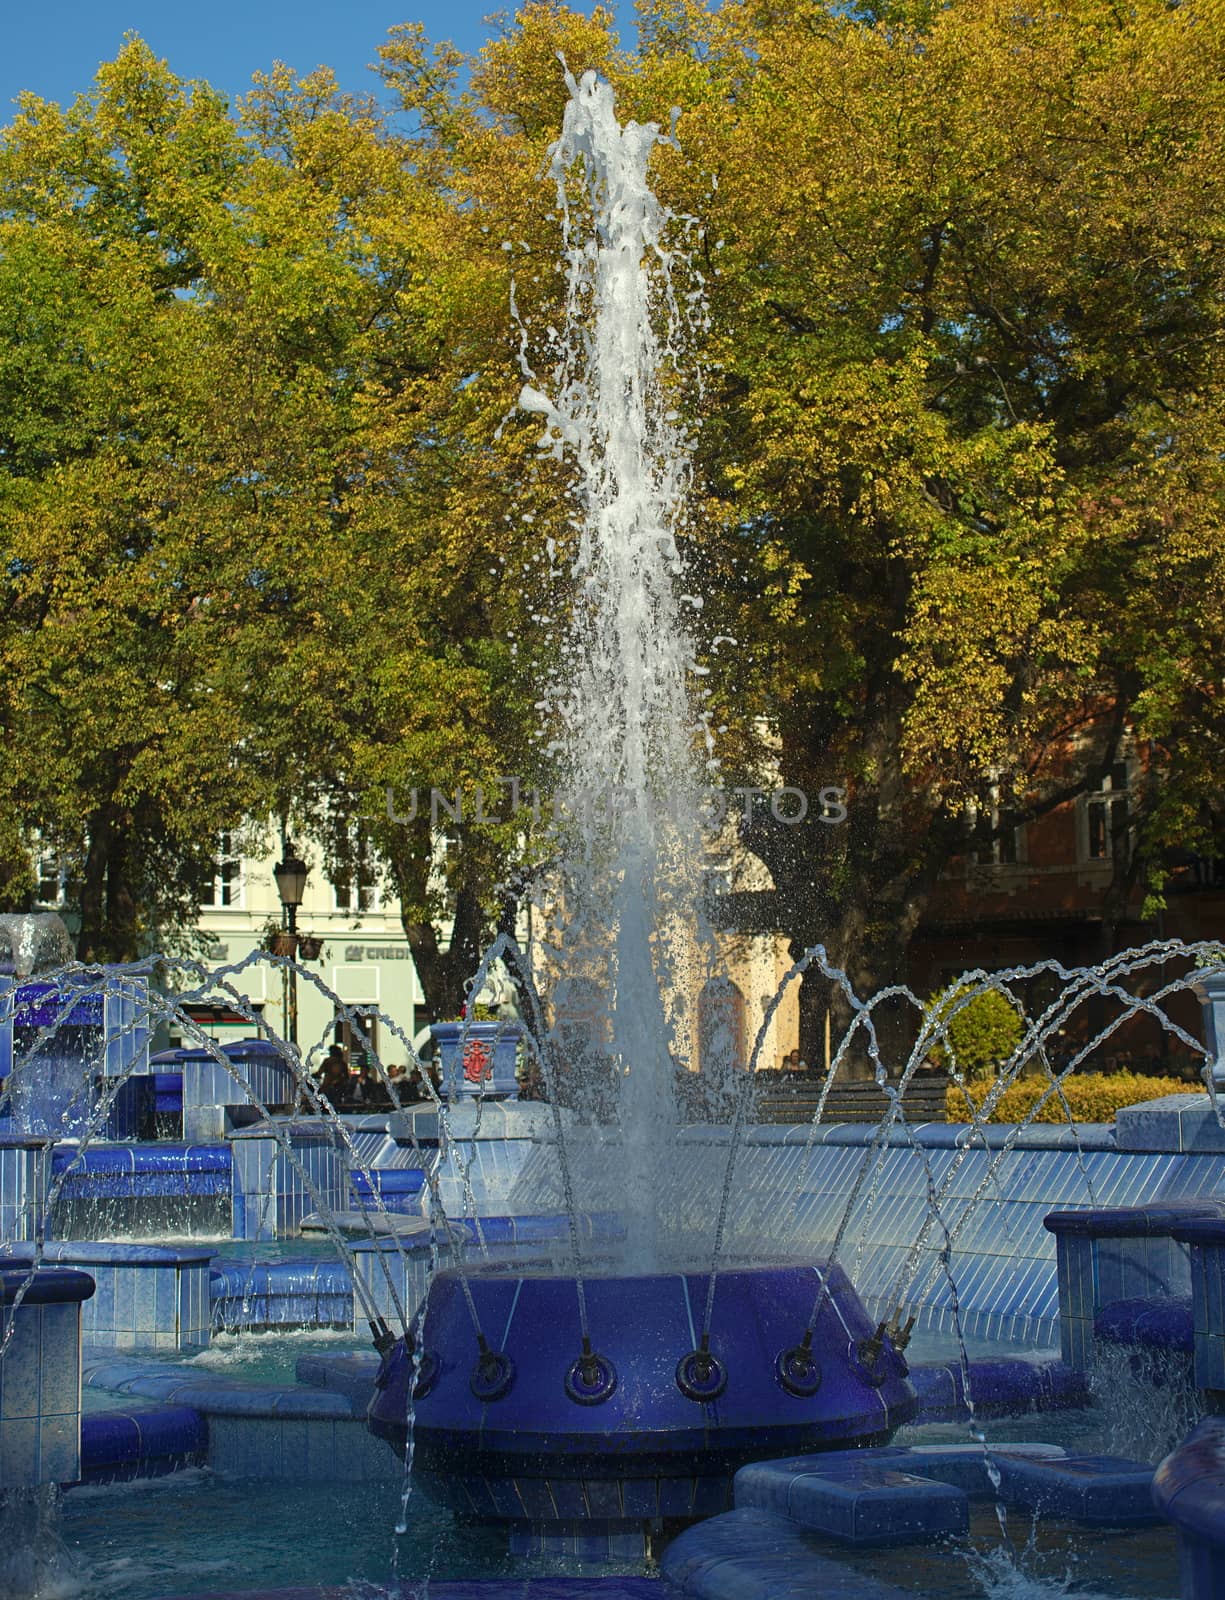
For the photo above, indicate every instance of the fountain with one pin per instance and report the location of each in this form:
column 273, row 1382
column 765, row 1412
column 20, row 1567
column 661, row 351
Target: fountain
column 604, row 1344
column 641, row 1385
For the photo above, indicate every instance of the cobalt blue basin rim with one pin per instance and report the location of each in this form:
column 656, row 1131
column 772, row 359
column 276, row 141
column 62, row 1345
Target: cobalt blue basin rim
column 643, row 1326
column 46, row 1286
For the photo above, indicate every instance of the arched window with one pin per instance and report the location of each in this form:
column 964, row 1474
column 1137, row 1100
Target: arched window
column 722, row 1046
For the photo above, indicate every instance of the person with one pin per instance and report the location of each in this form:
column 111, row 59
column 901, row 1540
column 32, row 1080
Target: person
column 401, row 1083
column 369, row 1090
column 334, row 1077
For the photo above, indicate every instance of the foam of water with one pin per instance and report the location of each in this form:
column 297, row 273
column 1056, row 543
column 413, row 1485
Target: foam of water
column 248, row 1349
column 1148, row 1399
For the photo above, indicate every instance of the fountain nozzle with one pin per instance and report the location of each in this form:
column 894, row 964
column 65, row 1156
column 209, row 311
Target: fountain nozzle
column 798, row 1370
column 383, row 1337
column 591, row 1377
column 700, row 1375
column 704, row 1362
column 866, row 1355
column 870, row 1349
column 899, row 1332
column 589, row 1362
column 494, row 1373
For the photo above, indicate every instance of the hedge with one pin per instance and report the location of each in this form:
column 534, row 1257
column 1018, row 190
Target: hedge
column 1092, row 1096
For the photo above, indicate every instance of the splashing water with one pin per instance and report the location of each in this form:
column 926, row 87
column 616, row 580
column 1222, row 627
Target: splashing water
column 1005, row 1573
column 35, row 1563
column 1148, row 1399
column 627, row 734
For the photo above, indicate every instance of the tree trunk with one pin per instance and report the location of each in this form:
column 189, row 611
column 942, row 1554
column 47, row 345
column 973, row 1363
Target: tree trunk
column 860, row 889
column 91, row 938
column 108, row 894
column 445, row 974
column 120, row 941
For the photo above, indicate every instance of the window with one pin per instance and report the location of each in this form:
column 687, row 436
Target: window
column 356, row 885
column 1104, row 832
column 225, row 887
column 721, row 1029
column 345, row 1033
column 52, row 878
column 1007, row 847
column 360, row 892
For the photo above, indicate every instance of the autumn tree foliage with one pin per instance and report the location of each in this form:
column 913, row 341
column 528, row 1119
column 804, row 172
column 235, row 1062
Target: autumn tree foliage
column 274, row 533
column 235, row 471
column 964, row 445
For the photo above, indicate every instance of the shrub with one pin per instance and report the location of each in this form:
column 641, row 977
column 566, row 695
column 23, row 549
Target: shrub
column 1092, row 1096
column 981, row 1035
column 479, row 1012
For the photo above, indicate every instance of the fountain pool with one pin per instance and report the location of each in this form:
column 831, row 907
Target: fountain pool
column 232, row 1452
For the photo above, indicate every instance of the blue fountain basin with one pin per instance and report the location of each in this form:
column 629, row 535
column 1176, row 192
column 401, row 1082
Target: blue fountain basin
column 646, row 1450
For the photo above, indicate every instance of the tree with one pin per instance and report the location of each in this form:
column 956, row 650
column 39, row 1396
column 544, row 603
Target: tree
column 115, row 748
column 964, row 434
column 960, row 444
column 253, row 551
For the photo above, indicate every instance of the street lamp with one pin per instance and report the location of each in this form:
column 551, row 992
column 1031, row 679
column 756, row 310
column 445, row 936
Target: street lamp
column 291, row 874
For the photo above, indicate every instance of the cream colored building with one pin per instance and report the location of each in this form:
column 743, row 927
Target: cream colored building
column 365, row 960
column 366, row 963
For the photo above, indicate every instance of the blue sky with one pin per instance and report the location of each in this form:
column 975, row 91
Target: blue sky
column 54, row 46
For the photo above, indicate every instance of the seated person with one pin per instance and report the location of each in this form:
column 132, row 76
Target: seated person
column 334, row 1077
column 405, row 1085
column 369, row 1089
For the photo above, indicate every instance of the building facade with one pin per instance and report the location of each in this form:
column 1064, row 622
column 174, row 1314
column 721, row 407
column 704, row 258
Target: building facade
column 363, row 959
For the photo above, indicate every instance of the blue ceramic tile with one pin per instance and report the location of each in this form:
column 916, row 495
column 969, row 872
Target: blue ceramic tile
column 1101, row 1489
column 20, row 1395
column 640, row 1497
column 59, row 1449
column 535, row 1498
column 19, row 1453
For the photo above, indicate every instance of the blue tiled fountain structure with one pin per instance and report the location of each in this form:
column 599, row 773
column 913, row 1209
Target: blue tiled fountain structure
column 594, row 1443
column 730, row 1441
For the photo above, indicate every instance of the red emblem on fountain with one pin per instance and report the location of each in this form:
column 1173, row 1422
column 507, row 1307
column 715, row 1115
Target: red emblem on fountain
column 476, row 1061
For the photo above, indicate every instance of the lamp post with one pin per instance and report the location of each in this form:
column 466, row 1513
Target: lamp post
column 291, row 874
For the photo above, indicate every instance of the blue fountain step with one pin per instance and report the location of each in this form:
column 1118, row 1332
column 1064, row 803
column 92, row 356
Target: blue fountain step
column 836, row 1492
column 751, row 1555
column 878, row 1496
column 1189, row 1487
column 121, row 1170
column 1148, row 1323
column 264, row 1431
column 399, row 1188
column 471, row 1589
column 309, row 1293
column 1109, row 1491
column 209, row 1392
column 1003, row 1387
column 870, row 1502
column 147, row 1297
column 118, row 1446
column 531, row 1229
column 351, row 1375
